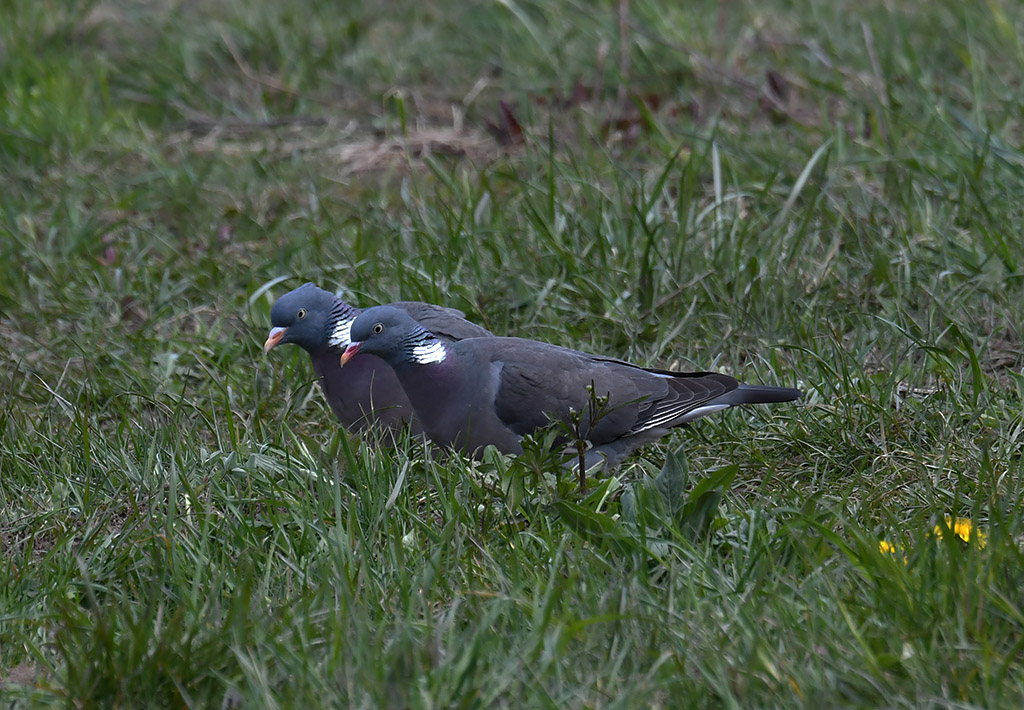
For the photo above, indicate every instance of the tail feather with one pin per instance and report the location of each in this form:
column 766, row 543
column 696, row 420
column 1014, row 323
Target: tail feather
column 758, row 394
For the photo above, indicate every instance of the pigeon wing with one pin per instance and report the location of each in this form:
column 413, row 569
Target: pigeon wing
column 445, row 323
column 538, row 383
column 685, row 393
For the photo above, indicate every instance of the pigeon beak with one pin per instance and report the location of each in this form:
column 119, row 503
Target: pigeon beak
column 350, row 352
column 276, row 334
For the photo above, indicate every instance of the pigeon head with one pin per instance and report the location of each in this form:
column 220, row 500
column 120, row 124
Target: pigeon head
column 392, row 335
column 311, row 318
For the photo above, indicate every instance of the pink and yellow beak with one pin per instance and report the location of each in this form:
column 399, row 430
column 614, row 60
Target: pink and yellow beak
column 350, row 352
column 276, row 334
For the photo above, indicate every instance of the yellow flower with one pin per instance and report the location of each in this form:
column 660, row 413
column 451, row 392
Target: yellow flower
column 887, row 548
column 962, row 528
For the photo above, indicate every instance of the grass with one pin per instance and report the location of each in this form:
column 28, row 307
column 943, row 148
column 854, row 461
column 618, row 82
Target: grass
column 826, row 196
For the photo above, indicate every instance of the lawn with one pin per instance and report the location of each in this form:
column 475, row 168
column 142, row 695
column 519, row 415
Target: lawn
column 826, row 195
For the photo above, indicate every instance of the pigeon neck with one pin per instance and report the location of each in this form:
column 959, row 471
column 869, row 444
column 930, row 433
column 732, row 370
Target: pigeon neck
column 339, row 326
column 421, row 347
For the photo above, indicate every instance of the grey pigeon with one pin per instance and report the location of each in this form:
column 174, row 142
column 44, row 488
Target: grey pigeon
column 481, row 391
column 366, row 392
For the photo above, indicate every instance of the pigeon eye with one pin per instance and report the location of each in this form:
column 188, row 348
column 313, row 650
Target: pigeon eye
column 378, row 328
column 301, row 314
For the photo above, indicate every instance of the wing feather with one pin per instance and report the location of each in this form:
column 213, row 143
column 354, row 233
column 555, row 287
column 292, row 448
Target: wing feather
column 540, row 382
column 446, row 323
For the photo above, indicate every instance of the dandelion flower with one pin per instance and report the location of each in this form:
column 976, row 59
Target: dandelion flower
column 887, row 548
column 962, row 528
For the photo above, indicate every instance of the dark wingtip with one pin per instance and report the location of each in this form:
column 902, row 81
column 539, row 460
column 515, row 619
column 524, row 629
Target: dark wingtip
column 762, row 394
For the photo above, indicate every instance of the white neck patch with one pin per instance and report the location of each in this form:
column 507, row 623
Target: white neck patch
column 429, row 352
column 342, row 335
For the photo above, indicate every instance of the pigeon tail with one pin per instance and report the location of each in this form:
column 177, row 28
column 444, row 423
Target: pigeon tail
column 758, row 394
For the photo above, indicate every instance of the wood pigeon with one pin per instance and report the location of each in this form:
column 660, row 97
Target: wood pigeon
column 481, row 391
column 366, row 392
